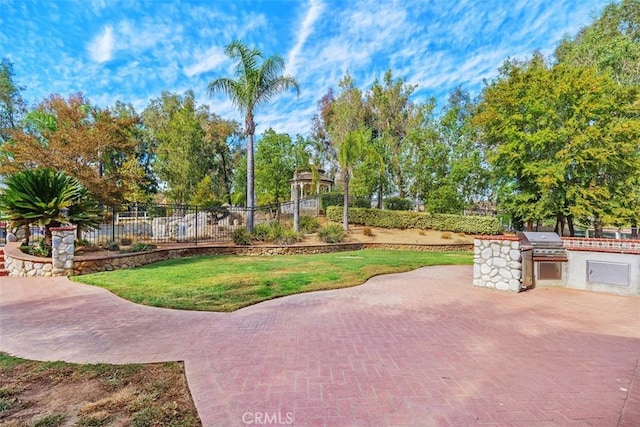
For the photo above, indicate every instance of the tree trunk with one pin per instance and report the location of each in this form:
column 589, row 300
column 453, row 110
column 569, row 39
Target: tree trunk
column 345, row 211
column 225, row 179
column 634, row 230
column 296, row 205
column 379, row 203
column 401, row 192
column 250, row 184
column 572, row 230
column 560, row 225
column 597, row 228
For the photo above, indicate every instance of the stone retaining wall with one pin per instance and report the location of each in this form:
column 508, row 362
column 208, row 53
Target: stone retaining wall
column 22, row 265
column 92, row 264
column 496, row 263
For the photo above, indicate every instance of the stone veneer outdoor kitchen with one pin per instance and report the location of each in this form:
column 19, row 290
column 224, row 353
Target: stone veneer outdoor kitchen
column 496, row 263
column 601, row 265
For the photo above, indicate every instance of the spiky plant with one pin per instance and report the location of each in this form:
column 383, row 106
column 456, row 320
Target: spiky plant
column 37, row 196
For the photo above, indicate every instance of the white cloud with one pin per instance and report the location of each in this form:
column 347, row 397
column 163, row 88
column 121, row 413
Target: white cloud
column 306, row 29
column 206, row 61
column 102, row 46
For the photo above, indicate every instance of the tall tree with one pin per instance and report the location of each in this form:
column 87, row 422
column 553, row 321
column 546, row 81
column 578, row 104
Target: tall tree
column 427, row 158
column 391, row 110
column 73, row 136
column 345, row 118
column 468, row 175
column 353, row 148
column 222, row 145
column 275, row 164
column 324, row 150
column 610, row 43
column 172, row 126
column 254, row 84
column 12, row 105
column 562, row 142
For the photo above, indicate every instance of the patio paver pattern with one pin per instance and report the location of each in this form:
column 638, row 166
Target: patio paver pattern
column 414, row 349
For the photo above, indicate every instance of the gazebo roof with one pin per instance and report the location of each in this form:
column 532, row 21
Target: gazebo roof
column 307, row 176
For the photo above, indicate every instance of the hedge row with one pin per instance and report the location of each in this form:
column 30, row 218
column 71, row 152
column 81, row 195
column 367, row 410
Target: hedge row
column 334, row 198
column 398, row 219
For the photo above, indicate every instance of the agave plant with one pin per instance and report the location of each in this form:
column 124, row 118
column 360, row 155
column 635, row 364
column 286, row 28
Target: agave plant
column 38, row 196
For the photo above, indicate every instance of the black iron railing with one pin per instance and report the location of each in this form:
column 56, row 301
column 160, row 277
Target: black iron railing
column 164, row 223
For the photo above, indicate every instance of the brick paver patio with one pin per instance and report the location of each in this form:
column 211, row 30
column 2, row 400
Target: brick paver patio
column 415, row 349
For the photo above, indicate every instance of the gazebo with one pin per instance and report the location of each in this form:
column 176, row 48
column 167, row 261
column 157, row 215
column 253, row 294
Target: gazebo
column 305, row 182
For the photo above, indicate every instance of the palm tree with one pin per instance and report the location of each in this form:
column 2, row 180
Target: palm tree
column 352, row 149
column 40, row 195
column 254, row 84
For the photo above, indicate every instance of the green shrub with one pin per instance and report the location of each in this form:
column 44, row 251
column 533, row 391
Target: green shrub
column 275, row 232
column 331, row 198
column 155, row 211
column 83, row 242
column 309, row 224
column 398, row 219
column 261, row 232
column 241, row 237
column 287, row 237
column 112, row 246
column 40, row 250
column 334, row 198
column 331, row 234
column 397, row 204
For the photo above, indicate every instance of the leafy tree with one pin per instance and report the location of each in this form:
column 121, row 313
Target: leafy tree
column 204, row 194
column 12, row 106
column 347, row 130
column 563, row 143
column 426, row 155
column 254, row 84
column 38, row 195
column 73, row 136
column 275, row 164
column 390, row 109
column 222, row 147
column 141, row 181
column 173, row 128
column 610, row 43
column 324, row 150
column 468, row 176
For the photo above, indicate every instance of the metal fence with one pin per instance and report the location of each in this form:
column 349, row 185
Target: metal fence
column 161, row 224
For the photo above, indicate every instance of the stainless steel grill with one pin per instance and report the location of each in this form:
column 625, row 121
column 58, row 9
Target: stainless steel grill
column 543, row 244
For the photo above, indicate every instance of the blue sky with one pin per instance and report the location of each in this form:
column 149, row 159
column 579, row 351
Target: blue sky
column 131, row 51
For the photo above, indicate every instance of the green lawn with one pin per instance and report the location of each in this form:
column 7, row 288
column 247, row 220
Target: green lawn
column 229, row 282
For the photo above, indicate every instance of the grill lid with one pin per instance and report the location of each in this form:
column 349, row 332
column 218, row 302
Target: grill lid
column 540, row 239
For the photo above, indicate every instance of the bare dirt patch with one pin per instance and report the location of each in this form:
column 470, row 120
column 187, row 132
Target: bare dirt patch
column 360, row 234
column 63, row 394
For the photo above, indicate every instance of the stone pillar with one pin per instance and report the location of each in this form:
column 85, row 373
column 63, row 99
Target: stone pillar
column 62, row 250
column 497, row 263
